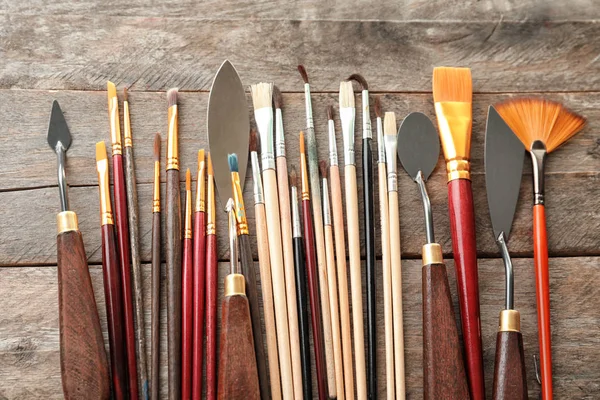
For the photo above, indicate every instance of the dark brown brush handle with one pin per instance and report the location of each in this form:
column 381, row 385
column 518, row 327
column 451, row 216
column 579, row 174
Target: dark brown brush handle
column 443, row 367
column 155, row 372
column 238, row 374
column 510, row 379
column 83, row 363
column 173, row 256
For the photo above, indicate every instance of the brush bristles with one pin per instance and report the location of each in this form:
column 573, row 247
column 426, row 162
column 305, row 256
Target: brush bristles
column 302, row 71
column 111, row 88
column 188, row 180
column 329, row 112
column 101, row 152
column 157, row 147
column 539, row 119
column 346, row 94
column 254, row 143
column 293, row 176
column 277, row 99
column 200, row 156
column 125, row 95
column 209, row 167
column 378, row 106
column 172, row 97
column 452, row 84
column 389, row 124
column 232, row 159
column 301, row 142
column 262, row 94
column 360, row 79
column 323, row 168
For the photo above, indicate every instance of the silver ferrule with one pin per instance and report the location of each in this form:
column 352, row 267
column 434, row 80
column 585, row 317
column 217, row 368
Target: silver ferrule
column 264, row 122
column 279, row 135
column 347, row 115
column 296, row 227
column 259, row 197
column 63, row 187
column 308, row 105
column 538, row 157
column 326, row 206
column 333, row 156
column 367, row 133
column 380, row 142
column 233, row 244
column 391, row 145
column 510, row 279
column 426, row 208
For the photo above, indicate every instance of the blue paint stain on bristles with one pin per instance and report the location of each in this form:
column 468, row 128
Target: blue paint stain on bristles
column 233, row 162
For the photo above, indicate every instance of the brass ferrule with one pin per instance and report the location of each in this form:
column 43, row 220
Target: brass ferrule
column 115, row 126
column 211, row 226
column 347, row 118
column 238, row 202
column 264, row 123
column 201, row 187
column 455, row 122
column 380, row 142
column 187, row 227
column 305, row 194
column 432, row 254
column 173, row 139
column 308, row 106
column 126, row 126
column 367, row 133
column 156, row 189
column 333, row 155
column 279, row 134
column 106, row 216
column 538, row 157
column 66, row 221
column 510, row 321
column 235, row 284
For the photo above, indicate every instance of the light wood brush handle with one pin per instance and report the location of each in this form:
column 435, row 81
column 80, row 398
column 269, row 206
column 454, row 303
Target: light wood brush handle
column 355, row 280
column 290, row 283
column 396, row 267
column 340, row 249
column 277, row 270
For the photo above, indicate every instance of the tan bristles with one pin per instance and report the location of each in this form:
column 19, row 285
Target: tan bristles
column 262, row 94
column 125, row 96
column 389, row 124
column 361, row 81
column 329, row 112
column 200, row 156
column 101, row 151
column 188, row 180
column 277, row 99
column 301, row 142
column 452, row 84
column 254, row 144
column 323, row 168
column 157, row 147
column 172, row 97
column 209, row 168
column 378, row 106
column 302, row 71
column 112, row 89
column 346, row 94
column 538, row 119
column 293, row 176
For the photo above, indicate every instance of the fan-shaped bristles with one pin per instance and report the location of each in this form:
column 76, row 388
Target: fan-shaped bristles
column 360, row 79
column 452, row 84
column 538, row 119
column 293, row 176
column 378, row 106
column 188, row 180
column 323, row 168
column 157, row 147
column 346, row 94
column 232, row 159
column 329, row 112
column 262, row 94
column 209, row 167
column 172, row 96
column 301, row 142
column 277, row 99
column 302, row 71
column 254, row 144
column 389, row 124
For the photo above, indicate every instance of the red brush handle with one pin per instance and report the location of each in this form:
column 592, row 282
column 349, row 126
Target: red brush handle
column 212, row 276
column 199, row 282
column 542, row 291
column 187, row 281
column 114, row 313
column 123, row 247
column 313, row 292
column 462, row 221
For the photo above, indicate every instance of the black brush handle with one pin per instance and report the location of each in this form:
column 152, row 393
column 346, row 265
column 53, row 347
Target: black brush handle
column 302, row 297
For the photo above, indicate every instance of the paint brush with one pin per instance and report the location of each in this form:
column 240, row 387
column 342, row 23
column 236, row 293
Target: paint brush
column 122, row 230
column 263, row 114
column 156, row 261
column 340, row 249
column 542, row 126
column 264, row 263
column 452, row 94
column 347, row 114
column 187, row 287
column 300, row 265
column 173, row 249
column 317, row 213
column 212, row 275
column 112, row 282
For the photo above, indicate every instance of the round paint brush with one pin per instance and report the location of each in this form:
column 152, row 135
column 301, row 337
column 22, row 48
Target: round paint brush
column 187, row 287
column 212, row 275
column 156, row 261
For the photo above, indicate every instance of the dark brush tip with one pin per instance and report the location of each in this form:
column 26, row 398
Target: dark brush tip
column 360, row 79
column 172, row 97
column 232, row 159
column 125, row 95
column 378, row 107
column 253, row 140
column 277, row 99
column 323, row 168
column 293, row 176
column 302, row 71
column 329, row 112
column 157, row 147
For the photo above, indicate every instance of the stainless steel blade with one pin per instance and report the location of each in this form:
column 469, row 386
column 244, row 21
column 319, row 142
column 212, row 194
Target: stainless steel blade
column 58, row 131
column 228, row 124
column 504, row 155
column 418, row 145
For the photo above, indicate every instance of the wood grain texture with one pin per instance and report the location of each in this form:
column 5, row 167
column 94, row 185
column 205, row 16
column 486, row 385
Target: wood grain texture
column 510, row 376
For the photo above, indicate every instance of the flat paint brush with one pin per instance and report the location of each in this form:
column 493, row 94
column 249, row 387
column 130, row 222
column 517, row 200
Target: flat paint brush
column 313, row 286
column 264, row 263
column 340, row 249
column 122, row 230
column 347, row 114
column 187, row 288
column 199, row 266
column 542, row 126
column 173, row 249
column 212, row 275
column 452, row 94
column 156, row 261
column 300, row 265
column 263, row 114
column 134, row 238
column 112, row 282
column 317, row 213
column 286, row 240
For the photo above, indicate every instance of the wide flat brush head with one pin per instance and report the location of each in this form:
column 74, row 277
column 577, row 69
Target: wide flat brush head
column 378, row 107
column 277, row 99
column 111, row 88
column 329, row 112
column 101, row 151
column 209, row 167
column 389, row 124
column 188, row 180
column 232, row 159
column 452, row 84
column 323, row 168
column 262, row 94
column 172, row 96
column 302, row 71
column 534, row 119
column 157, row 147
column 293, row 176
column 360, row 79
column 346, row 94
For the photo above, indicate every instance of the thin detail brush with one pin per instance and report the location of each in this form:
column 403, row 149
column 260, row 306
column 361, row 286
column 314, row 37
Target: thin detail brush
column 187, row 288
column 212, row 276
column 156, row 261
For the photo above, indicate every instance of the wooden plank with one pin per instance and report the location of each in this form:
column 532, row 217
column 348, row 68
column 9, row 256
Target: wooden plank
column 29, row 359
column 155, row 53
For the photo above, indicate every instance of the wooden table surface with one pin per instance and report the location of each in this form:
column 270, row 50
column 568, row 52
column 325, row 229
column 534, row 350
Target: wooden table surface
column 67, row 50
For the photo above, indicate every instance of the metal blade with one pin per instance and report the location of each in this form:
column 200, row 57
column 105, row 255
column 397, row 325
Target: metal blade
column 418, row 145
column 504, row 154
column 58, row 131
column 228, row 126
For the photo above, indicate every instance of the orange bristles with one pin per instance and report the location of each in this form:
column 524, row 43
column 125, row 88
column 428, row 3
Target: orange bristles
column 452, row 84
column 209, row 167
column 301, row 142
column 188, row 180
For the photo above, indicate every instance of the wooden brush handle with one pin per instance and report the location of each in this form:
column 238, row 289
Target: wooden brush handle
column 356, row 280
column 114, row 313
column 212, row 287
column 542, row 291
column 120, row 197
column 187, row 323
column 267, row 296
column 510, row 379
column 198, row 301
column 277, row 270
column 303, row 317
column 173, row 258
column 83, row 363
column 342, row 276
column 462, row 223
column 238, row 374
column 155, row 329
column 443, row 368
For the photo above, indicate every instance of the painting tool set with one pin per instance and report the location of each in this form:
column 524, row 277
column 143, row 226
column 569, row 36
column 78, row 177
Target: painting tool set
column 294, row 304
